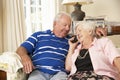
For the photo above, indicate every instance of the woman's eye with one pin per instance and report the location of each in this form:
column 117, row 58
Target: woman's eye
column 79, row 30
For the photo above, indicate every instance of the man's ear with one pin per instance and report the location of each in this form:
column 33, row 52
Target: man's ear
column 54, row 23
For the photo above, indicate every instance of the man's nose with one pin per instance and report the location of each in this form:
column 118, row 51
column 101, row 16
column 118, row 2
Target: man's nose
column 67, row 27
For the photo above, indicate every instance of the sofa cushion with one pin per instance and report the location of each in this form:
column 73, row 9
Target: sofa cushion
column 115, row 39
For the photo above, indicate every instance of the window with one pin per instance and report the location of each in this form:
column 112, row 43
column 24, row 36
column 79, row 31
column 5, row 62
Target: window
column 39, row 14
column 33, row 15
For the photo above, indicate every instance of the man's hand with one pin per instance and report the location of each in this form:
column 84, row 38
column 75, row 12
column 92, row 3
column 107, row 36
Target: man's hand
column 101, row 31
column 25, row 58
column 27, row 64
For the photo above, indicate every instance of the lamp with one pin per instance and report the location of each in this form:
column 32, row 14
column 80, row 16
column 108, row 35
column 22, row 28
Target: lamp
column 77, row 14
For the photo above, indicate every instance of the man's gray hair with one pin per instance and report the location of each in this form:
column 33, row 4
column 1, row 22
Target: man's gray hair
column 59, row 15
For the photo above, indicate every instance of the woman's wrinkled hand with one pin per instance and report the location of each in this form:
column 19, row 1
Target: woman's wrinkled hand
column 73, row 44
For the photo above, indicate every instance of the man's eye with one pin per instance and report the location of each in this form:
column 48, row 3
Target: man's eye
column 64, row 25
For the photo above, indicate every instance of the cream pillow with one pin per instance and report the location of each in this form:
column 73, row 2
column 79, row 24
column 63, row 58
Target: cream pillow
column 115, row 39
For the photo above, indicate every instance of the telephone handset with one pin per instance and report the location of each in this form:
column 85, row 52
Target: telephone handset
column 75, row 39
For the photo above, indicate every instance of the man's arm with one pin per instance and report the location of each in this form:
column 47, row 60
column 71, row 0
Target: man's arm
column 101, row 31
column 26, row 61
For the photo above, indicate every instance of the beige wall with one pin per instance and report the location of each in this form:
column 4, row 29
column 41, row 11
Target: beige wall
column 109, row 8
column 0, row 26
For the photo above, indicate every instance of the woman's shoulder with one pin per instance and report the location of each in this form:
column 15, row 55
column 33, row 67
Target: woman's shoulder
column 103, row 39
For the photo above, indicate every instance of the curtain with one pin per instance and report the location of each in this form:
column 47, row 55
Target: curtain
column 0, row 26
column 60, row 7
column 13, row 24
column 13, row 21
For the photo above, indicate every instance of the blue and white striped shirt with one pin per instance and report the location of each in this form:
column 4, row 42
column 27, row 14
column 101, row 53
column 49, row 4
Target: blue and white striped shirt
column 47, row 51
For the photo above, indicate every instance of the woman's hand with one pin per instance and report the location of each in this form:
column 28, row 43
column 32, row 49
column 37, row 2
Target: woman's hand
column 117, row 63
column 73, row 42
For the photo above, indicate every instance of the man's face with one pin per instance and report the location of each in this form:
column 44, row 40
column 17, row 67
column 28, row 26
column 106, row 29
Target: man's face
column 62, row 26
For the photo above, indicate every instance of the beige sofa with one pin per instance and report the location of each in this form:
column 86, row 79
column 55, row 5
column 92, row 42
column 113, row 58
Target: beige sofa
column 11, row 62
column 115, row 39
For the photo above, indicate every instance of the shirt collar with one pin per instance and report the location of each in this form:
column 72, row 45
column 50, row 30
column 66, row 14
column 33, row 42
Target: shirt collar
column 94, row 41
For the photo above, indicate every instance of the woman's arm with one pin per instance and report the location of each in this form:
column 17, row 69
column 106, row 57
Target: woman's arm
column 117, row 63
column 112, row 53
column 68, row 62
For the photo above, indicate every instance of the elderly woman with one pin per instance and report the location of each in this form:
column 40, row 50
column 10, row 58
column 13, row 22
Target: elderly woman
column 94, row 58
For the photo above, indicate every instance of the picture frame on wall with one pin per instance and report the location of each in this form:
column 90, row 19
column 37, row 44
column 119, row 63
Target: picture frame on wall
column 100, row 22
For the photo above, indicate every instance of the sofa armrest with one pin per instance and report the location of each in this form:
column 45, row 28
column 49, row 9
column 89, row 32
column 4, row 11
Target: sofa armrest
column 10, row 62
column 115, row 39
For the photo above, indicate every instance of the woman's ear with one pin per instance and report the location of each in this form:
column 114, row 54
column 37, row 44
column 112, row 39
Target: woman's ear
column 90, row 32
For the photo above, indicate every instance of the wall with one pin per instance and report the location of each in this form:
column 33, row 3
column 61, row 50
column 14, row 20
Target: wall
column 0, row 26
column 108, row 8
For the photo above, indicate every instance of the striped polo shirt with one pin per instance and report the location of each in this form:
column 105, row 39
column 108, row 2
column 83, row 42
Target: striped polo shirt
column 47, row 51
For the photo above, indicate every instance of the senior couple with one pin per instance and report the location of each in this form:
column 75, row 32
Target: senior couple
column 51, row 54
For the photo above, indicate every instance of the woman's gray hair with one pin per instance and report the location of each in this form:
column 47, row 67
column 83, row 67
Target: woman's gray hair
column 59, row 16
column 88, row 25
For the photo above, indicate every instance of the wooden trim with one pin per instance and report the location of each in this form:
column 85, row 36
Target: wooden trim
column 115, row 29
column 3, row 75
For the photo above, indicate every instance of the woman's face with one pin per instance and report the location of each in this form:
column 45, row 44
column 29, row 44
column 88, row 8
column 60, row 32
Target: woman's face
column 82, row 34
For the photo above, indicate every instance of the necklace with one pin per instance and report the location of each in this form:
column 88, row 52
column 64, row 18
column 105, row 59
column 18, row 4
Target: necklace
column 82, row 57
